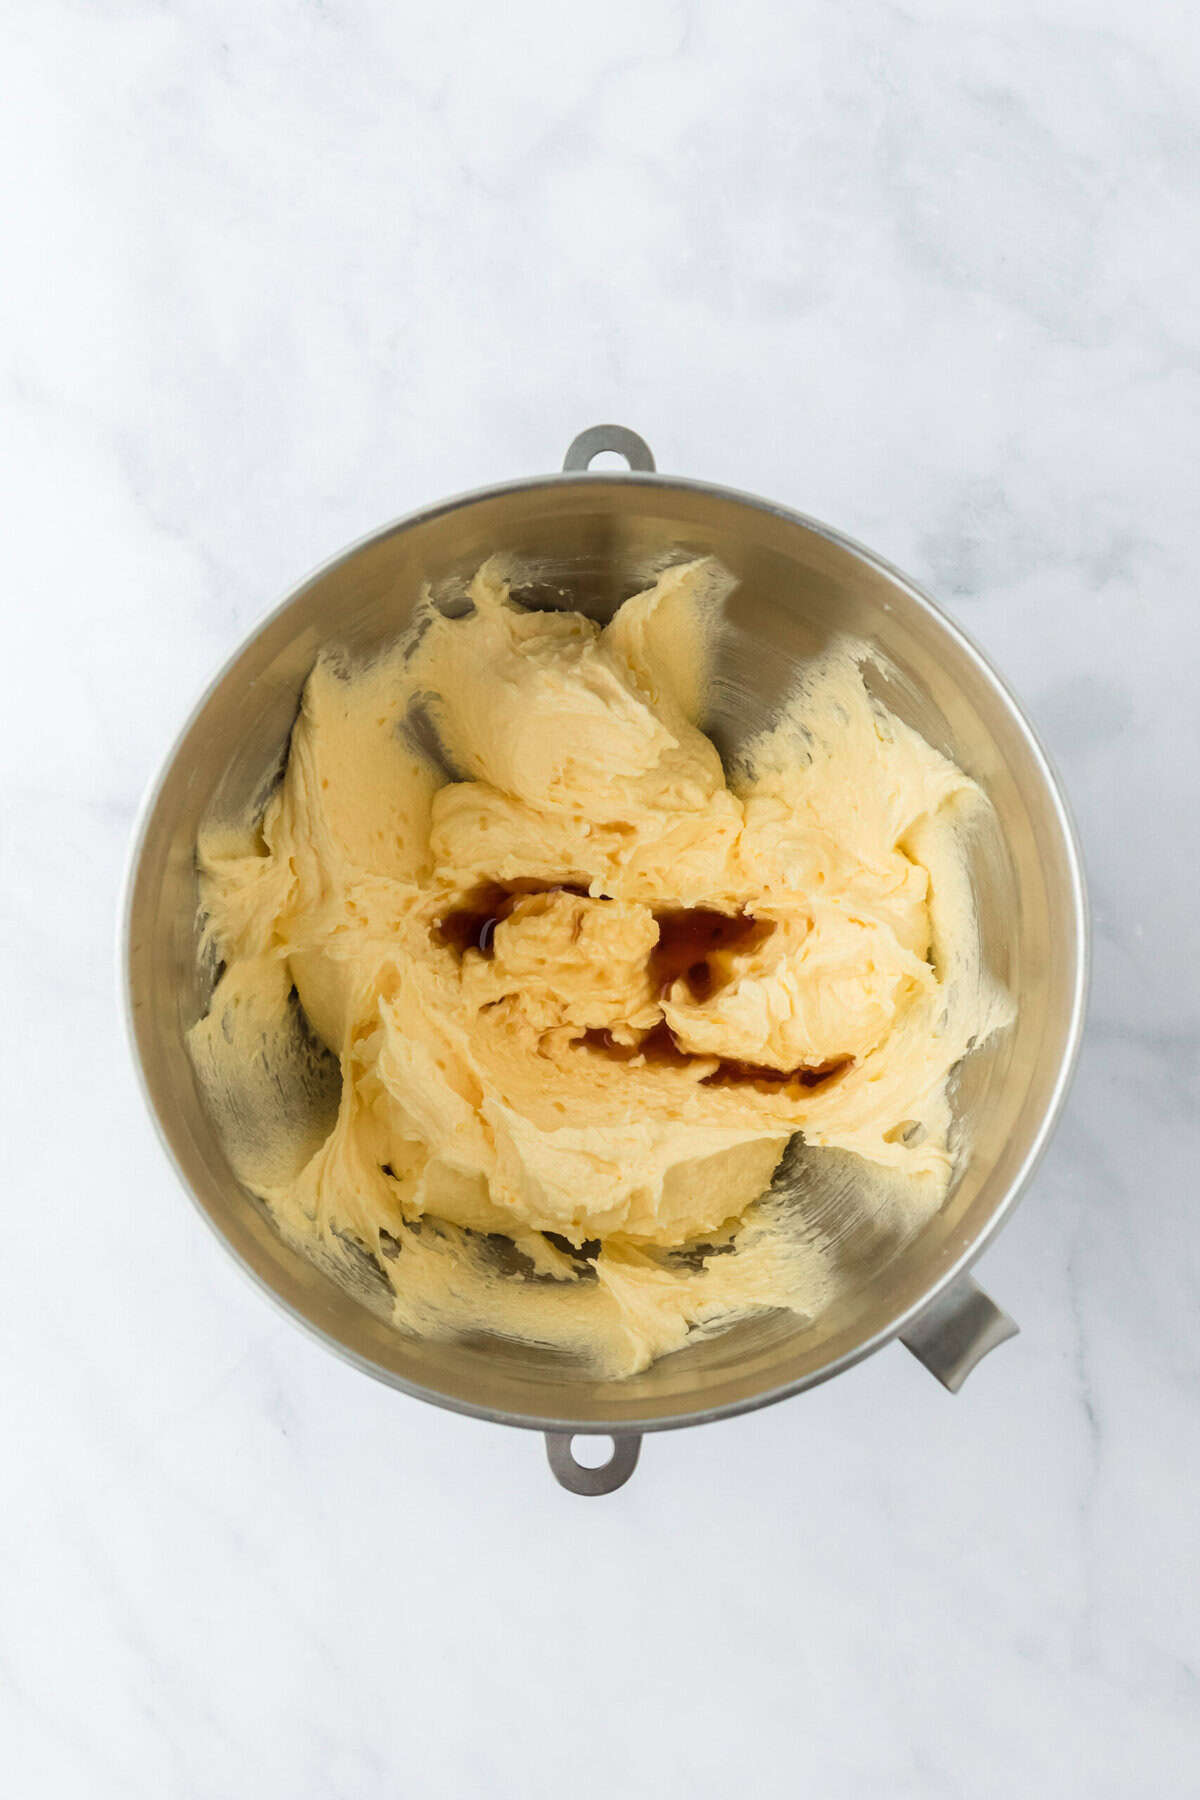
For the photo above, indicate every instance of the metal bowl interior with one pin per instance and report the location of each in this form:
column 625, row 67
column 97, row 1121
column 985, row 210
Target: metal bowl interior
column 592, row 539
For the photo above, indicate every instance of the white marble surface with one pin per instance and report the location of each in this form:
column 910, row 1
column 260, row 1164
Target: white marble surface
column 275, row 273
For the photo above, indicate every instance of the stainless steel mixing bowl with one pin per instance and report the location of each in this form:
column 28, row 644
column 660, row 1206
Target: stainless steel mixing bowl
column 593, row 535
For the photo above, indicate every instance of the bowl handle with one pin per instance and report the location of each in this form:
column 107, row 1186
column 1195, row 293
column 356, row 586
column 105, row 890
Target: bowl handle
column 578, row 1478
column 957, row 1331
column 596, row 438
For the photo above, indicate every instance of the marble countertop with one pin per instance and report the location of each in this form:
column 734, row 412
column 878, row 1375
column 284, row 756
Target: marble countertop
column 277, row 273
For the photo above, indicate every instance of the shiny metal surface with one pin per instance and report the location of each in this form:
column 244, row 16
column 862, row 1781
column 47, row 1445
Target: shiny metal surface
column 579, row 1478
column 596, row 536
column 957, row 1331
column 617, row 439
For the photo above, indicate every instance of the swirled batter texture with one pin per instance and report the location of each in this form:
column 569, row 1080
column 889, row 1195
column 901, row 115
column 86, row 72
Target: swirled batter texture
column 525, row 994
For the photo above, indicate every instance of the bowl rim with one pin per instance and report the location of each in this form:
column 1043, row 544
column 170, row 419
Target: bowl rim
column 1078, row 906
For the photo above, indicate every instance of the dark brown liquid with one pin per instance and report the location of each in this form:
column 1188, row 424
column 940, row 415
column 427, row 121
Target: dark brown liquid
column 689, row 936
column 661, row 1049
column 472, row 926
column 744, row 1074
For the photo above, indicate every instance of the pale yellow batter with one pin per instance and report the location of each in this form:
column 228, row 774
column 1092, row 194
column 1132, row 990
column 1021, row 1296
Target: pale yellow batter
column 581, row 984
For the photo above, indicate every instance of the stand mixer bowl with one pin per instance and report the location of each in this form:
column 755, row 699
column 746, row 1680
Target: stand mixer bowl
column 587, row 540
